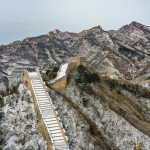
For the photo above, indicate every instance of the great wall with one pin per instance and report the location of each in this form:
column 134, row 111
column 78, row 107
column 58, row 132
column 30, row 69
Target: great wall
column 60, row 82
column 50, row 123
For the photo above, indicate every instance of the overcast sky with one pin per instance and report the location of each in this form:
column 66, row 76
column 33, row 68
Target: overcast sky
column 25, row 18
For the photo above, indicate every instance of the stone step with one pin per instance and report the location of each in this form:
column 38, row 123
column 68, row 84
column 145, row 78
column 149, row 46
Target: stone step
column 50, row 119
column 58, row 138
column 51, row 122
column 43, row 93
column 34, row 77
column 45, row 105
column 57, row 134
column 40, row 92
column 44, row 102
column 52, row 125
column 37, row 85
column 36, row 81
column 60, row 143
column 47, row 113
column 46, row 108
column 54, row 129
column 49, row 116
column 38, row 88
column 43, row 99
column 33, row 74
column 61, row 148
column 35, row 91
column 41, row 96
column 40, row 83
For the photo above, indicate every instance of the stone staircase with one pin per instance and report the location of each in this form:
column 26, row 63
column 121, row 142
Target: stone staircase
column 48, row 113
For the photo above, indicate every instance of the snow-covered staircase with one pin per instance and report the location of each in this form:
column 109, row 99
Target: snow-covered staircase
column 48, row 113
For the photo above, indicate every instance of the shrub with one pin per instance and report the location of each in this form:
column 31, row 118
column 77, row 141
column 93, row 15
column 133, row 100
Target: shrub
column 112, row 82
column 50, row 74
column 85, row 102
column 55, row 69
column 28, row 127
column 81, row 69
column 84, row 78
column 95, row 77
column 2, row 141
column 1, row 101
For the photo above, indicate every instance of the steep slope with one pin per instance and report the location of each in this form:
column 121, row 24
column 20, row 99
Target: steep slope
column 116, row 112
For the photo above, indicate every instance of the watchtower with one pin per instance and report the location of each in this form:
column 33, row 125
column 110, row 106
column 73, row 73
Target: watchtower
column 78, row 60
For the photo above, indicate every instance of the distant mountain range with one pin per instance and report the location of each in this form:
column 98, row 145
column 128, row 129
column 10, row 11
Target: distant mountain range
column 125, row 52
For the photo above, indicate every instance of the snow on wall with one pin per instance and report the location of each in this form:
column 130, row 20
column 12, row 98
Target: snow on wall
column 61, row 73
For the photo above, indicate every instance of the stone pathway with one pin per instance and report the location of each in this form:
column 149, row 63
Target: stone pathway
column 48, row 113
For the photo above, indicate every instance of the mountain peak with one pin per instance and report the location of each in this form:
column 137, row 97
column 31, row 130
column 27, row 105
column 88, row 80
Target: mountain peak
column 56, row 31
column 134, row 23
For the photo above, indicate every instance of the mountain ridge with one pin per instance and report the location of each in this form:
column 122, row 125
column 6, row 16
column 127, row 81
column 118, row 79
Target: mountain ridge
column 125, row 46
column 111, row 112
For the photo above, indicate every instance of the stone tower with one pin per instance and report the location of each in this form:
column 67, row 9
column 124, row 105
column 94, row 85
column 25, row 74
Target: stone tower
column 78, row 60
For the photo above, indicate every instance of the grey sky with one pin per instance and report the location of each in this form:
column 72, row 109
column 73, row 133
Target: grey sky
column 24, row 18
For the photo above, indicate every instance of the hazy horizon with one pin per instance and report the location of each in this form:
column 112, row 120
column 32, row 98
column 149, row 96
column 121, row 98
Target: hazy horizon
column 21, row 19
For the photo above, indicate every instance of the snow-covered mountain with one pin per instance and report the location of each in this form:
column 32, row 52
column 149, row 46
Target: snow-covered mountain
column 125, row 53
